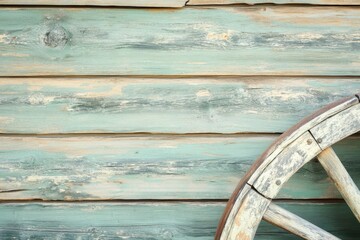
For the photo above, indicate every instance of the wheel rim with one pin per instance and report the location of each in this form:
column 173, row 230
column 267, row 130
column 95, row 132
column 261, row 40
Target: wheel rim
column 312, row 137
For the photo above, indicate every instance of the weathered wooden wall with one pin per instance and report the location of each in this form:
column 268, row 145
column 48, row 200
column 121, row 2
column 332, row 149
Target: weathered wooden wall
column 257, row 40
column 139, row 122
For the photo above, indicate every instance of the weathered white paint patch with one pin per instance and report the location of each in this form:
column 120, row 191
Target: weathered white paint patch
column 3, row 38
column 34, row 88
column 124, row 103
column 40, row 99
column 116, row 90
column 219, row 36
column 14, row 54
column 308, row 36
column 285, row 95
column 252, row 111
column 55, row 179
column 168, row 145
column 203, row 93
column 6, row 120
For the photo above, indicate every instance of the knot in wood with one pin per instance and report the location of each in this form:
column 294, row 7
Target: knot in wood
column 56, row 37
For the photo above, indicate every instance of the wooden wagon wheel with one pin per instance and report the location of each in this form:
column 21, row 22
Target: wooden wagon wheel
column 312, row 137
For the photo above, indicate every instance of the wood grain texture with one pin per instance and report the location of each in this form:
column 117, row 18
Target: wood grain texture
column 247, row 218
column 225, row 231
column 122, row 3
column 261, row 40
column 286, row 164
column 148, row 167
column 150, row 221
column 251, row 2
column 171, row 3
column 296, row 131
column 282, row 218
column 283, row 144
column 337, row 127
column 167, row 105
column 342, row 180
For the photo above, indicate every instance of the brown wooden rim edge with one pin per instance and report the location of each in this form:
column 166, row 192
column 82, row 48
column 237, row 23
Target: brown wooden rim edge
column 267, row 152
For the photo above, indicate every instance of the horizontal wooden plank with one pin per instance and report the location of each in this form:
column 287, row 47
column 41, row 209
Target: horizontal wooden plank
column 150, row 221
column 261, row 40
column 123, row 3
column 178, row 105
column 162, row 167
column 171, row 3
column 317, row 2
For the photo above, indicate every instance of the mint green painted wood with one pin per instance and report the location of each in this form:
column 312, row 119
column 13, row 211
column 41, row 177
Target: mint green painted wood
column 263, row 40
column 94, row 167
column 171, row 3
column 179, row 105
column 123, row 3
column 318, row 2
column 325, row 216
column 150, row 221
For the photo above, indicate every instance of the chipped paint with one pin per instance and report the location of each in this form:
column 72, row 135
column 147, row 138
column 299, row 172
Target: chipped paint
column 288, row 95
column 3, row 38
column 114, row 91
column 261, row 40
column 163, row 167
column 219, row 36
column 203, row 93
column 6, row 120
column 40, row 99
column 14, row 55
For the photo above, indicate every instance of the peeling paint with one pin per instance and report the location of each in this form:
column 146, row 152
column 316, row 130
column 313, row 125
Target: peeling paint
column 219, row 36
column 14, row 54
column 6, row 120
column 116, row 90
column 39, row 99
column 3, row 38
column 203, row 93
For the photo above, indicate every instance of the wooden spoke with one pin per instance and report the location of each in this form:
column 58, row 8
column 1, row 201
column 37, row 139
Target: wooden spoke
column 284, row 219
column 337, row 172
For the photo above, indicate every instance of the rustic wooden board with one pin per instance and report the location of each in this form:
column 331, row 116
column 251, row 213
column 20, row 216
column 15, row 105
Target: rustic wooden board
column 262, row 40
column 171, row 3
column 150, row 221
column 318, row 2
column 122, row 3
column 162, row 167
column 179, row 105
